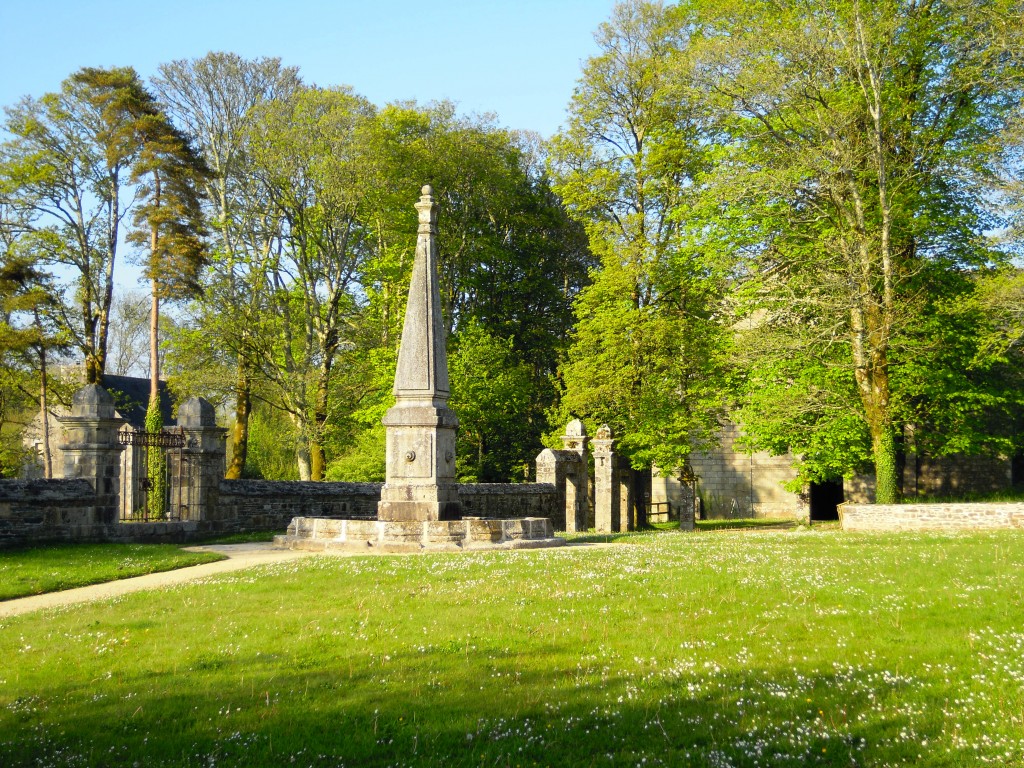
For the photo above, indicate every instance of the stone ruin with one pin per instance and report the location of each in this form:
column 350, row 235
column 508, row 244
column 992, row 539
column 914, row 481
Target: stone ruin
column 419, row 506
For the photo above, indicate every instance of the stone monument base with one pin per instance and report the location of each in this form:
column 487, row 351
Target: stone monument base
column 322, row 534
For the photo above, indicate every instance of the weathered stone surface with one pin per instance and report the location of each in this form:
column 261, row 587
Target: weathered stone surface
column 420, row 460
column 607, row 502
column 732, row 483
column 94, row 401
column 931, row 517
column 567, row 472
column 47, row 510
column 419, row 536
column 197, row 412
column 91, row 449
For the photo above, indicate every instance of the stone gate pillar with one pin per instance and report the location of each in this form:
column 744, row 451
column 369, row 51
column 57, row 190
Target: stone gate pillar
column 606, row 486
column 630, row 517
column 91, row 449
column 203, row 459
column 577, row 479
column 552, row 468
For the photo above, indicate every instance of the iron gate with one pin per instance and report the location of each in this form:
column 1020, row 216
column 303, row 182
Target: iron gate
column 155, row 484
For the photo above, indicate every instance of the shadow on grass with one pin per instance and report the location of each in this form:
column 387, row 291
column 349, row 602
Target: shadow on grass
column 457, row 705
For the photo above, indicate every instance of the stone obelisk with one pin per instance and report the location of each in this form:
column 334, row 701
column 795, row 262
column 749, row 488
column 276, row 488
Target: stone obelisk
column 420, row 427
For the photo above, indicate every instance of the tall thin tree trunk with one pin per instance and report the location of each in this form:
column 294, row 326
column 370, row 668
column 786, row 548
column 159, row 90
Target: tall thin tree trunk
column 240, row 431
column 154, row 316
column 44, row 415
column 154, row 342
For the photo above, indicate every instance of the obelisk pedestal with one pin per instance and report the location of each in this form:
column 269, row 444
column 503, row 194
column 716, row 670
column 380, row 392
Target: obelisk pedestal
column 420, row 480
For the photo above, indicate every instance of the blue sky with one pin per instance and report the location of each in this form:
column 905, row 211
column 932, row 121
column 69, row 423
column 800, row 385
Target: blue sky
column 519, row 60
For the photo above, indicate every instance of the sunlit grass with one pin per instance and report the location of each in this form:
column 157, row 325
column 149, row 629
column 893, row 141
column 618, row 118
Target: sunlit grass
column 744, row 523
column 767, row 649
column 51, row 568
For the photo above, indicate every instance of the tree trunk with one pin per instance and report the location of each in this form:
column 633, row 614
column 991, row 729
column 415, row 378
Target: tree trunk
column 318, row 457
column 154, row 317
column 240, row 431
column 317, row 460
column 871, row 371
column 302, row 459
column 887, row 486
column 154, row 341
column 44, row 415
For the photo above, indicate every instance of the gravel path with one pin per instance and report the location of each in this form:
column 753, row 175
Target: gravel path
column 239, row 556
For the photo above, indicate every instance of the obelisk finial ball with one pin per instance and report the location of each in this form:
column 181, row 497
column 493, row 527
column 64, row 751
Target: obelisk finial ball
column 427, row 190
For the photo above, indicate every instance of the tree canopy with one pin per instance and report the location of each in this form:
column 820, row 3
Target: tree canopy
column 804, row 217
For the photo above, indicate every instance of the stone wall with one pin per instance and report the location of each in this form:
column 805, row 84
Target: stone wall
column 931, row 517
column 64, row 510
column 269, row 505
column 47, row 510
column 954, row 476
column 506, row 501
column 733, row 484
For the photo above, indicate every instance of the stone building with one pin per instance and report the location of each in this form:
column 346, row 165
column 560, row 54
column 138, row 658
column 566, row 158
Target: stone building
column 727, row 482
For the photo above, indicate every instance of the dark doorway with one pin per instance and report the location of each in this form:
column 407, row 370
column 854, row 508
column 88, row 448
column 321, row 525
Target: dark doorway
column 825, row 500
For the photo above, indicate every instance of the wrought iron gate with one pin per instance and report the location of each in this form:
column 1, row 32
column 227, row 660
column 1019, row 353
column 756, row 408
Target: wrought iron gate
column 155, row 478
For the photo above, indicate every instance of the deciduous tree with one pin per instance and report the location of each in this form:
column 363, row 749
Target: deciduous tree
column 860, row 142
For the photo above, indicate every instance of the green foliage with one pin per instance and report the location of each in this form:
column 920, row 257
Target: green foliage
column 383, row 660
column 364, row 461
column 156, row 466
column 650, row 354
column 272, row 440
column 857, row 146
column 30, row 334
column 56, row 567
column 492, row 396
column 62, row 187
column 362, row 457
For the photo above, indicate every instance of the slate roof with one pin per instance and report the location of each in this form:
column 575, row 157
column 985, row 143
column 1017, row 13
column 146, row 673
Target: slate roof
column 131, row 395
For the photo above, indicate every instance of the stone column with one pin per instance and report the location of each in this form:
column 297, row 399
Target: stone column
column 203, row 459
column 91, row 449
column 420, row 480
column 552, row 468
column 627, row 500
column 577, row 480
column 606, row 488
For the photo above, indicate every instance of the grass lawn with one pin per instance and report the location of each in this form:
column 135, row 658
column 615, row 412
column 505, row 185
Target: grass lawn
column 743, row 523
column 63, row 566
column 784, row 648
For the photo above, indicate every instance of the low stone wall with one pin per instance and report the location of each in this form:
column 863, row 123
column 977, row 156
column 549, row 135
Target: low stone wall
column 64, row 510
column 48, row 510
column 270, row 505
column 267, row 505
column 322, row 535
column 505, row 501
column 931, row 517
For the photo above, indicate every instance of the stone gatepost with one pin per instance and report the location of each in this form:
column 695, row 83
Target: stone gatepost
column 628, row 502
column 567, row 470
column 91, row 449
column 606, row 486
column 553, row 468
column 203, row 458
column 578, row 479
